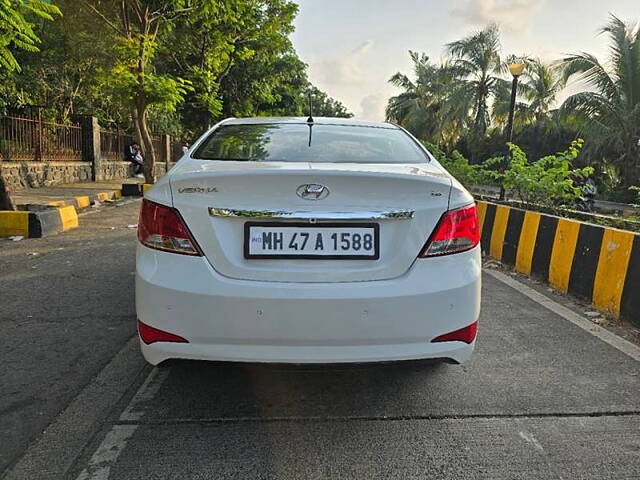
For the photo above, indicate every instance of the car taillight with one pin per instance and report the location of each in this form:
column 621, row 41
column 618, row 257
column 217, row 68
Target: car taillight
column 456, row 232
column 162, row 228
column 151, row 335
column 466, row 335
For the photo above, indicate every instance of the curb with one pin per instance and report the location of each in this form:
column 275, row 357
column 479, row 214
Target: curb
column 55, row 217
column 135, row 189
column 38, row 224
column 85, row 201
column 595, row 263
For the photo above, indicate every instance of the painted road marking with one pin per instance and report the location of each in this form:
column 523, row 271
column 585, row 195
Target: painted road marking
column 605, row 335
column 115, row 441
column 54, row 453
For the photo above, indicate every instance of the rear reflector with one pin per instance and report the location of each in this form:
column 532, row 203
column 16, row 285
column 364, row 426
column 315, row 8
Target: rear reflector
column 457, row 231
column 150, row 335
column 466, row 335
column 163, row 228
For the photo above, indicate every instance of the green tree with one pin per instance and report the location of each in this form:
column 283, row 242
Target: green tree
column 323, row 104
column 611, row 106
column 477, row 64
column 538, row 89
column 64, row 77
column 17, row 27
column 422, row 106
column 139, row 26
column 541, row 85
column 16, row 32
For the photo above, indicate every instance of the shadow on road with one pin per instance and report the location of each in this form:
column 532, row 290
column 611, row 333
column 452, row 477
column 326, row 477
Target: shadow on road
column 225, row 391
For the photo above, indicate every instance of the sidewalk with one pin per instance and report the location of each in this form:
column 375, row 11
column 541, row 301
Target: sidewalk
column 69, row 193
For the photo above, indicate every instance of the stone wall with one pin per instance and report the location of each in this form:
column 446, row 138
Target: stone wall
column 113, row 170
column 110, row 170
column 44, row 174
column 21, row 175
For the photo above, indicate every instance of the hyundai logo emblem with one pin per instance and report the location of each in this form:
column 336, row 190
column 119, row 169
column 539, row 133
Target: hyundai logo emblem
column 312, row 191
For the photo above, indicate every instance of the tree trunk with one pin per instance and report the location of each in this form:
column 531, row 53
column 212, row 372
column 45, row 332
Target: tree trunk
column 150, row 154
column 136, row 126
column 6, row 202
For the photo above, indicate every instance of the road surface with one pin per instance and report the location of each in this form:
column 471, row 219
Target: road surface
column 542, row 397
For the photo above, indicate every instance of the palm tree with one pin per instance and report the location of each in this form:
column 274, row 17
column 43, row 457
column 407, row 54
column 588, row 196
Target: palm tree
column 421, row 108
column 476, row 62
column 538, row 89
column 541, row 84
column 611, row 106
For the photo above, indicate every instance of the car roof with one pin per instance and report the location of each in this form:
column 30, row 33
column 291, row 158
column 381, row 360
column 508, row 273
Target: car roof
column 316, row 121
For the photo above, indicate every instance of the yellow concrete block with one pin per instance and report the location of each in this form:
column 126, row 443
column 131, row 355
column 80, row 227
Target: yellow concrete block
column 57, row 203
column 68, row 217
column 498, row 232
column 613, row 262
column 527, row 242
column 83, row 202
column 14, row 223
column 482, row 212
column 103, row 196
column 117, row 194
column 564, row 248
column 146, row 186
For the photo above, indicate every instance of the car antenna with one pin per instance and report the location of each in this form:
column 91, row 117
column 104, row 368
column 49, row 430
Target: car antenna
column 310, row 119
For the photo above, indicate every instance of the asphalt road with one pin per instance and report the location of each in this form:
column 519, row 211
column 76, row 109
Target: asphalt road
column 541, row 398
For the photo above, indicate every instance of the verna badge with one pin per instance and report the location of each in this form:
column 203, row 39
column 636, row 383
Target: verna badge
column 312, row 191
column 197, row 190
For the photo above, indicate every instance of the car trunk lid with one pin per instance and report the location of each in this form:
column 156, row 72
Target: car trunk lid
column 217, row 199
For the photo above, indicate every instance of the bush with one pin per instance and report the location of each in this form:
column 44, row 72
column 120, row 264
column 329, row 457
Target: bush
column 635, row 190
column 549, row 182
column 458, row 166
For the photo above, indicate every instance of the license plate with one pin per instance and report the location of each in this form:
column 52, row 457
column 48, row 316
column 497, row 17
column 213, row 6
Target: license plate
column 335, row 241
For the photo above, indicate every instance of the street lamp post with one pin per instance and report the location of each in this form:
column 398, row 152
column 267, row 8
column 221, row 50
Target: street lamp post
column 516, row 69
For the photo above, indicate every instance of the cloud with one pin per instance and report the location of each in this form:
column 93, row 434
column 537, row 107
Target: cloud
column 372, row 108
column 364, row 47
column 346, row 70
column 511, row 15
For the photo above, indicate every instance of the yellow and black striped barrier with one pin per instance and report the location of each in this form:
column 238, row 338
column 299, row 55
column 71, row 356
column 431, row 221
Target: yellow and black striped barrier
column 41, row 220
column 38, row 223
column 595, row 263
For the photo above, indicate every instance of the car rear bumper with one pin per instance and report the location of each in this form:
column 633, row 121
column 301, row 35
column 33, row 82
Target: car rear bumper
column 256, row 321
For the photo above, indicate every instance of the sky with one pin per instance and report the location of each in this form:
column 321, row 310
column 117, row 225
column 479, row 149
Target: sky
column 353, row 47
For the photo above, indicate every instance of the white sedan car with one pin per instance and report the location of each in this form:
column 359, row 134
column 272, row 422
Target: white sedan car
column 307, row 241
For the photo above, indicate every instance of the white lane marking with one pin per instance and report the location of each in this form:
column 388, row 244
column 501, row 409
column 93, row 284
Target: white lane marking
column 146, row 392
column 529, row 438
column 51, row 455
column 107, row 453
column 115, row 441
column 605, row 335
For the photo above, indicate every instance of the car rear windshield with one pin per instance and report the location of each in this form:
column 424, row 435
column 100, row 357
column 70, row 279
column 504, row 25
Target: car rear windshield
column 310, row 143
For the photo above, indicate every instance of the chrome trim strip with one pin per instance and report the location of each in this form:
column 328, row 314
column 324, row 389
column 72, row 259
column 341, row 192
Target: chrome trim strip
column 307, row 215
